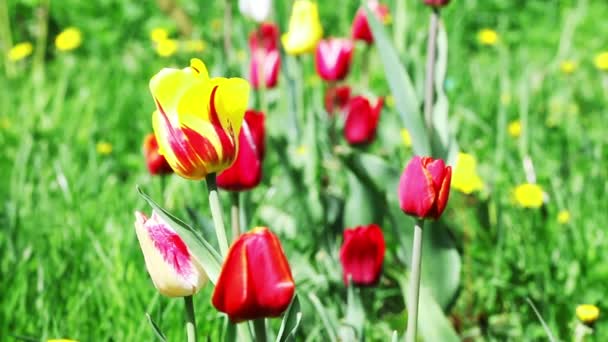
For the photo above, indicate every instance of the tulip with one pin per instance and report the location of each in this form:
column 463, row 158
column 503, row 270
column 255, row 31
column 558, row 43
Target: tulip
column 246, row 172
column 305, row 29
column 265, row 37
column 362, row 254
column 264, row 65
column 157, row 164
column 424, row 187
column 255, row 280
column 361, row 120
column 436, row 3
column 175, row 272
column 258, row 10
column 198, row 119
column 336, row 97
column 360, row 29
column 333, row 58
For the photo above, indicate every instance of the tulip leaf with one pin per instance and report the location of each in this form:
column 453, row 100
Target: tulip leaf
column 159, row 334
column 362, row 205
column 291, row 321
column 373, row 171
column 330, row 329
column 355, row 314
column 202, row 250
column 402, row 88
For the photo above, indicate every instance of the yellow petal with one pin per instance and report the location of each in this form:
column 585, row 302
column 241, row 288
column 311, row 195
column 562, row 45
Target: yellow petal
column 231, row 101
column 169, row 85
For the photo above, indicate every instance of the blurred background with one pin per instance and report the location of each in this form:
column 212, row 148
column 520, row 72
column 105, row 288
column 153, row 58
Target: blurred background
column 527, row 83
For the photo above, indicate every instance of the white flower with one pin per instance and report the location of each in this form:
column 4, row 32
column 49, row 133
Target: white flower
column 258, row 10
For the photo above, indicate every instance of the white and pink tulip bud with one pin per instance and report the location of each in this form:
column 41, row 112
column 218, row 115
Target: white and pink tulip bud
column 175, row 272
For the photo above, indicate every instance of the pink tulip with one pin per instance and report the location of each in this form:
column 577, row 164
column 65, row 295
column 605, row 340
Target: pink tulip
column 333, row 58
column 424, row 187
column 361, row 120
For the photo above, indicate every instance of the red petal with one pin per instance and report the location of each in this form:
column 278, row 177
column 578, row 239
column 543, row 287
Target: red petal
column 444, row 193
column 416, row 190
column 437, row 170
column 362, row 254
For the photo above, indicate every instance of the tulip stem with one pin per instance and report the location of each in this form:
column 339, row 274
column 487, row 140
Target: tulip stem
column 431, row 56
column 216, row 213
column 259, row 325
column 234, row 215
column 190, row 319
column 414, row 287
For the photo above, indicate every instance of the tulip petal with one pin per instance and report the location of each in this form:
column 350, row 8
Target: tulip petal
column 437, row 170
column 444, row 193
column 230, row 102
column 168, row 86
column 416, row 189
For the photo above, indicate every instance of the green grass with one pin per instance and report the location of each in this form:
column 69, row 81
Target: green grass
column 70, row 264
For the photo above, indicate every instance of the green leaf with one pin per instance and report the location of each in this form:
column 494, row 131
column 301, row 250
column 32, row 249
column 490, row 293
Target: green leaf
column 406, row 101
column 324, row 316
column 229, row 331
column 373, row 171
column 291, row 321
column 202, row 250
column 355, row 314
column 159, row 334
column 362, row 205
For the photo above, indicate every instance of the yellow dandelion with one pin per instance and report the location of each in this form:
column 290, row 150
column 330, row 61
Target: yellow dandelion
column 302, row 150
column 216, row 24
column 505, row 99
column 601, row 61
column 528, row 195
column 166, row 48
column 104, row 148
column 465, row 178
column 194, row 45
column 514, row 128
column 563, row 216
column 406, row 138
column 487, row 37
column 20, row 51
column 159, row 34
column 69, row 39
column 587, row 313
column 241, row 55
column 567, row 67
column 61, row 340
column 390, row 101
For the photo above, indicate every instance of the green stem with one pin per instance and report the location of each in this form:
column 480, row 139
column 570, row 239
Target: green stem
column 190, row 319
column 228, row 30
column 414, row 287
column 5, row 37
column 234, row 215
column 259, row 325
column 429, row 81
column 216, row 213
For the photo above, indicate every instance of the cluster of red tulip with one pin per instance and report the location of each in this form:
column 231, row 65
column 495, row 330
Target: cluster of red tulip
column 255, row 280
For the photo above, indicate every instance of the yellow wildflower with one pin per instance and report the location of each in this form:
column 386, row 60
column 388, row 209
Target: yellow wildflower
column 465, row 177
column 302, row 150
column 487, row 36
column 587, row 313
column 166, row 48
column 529, row 195
column 20, row 51
column 104, row 148
column 601, row 61
column 194, row 45
column 406, row 137
column 567, row 67
column 563, row 216
column 159, row 34
column 69, row 39
column 514, row 128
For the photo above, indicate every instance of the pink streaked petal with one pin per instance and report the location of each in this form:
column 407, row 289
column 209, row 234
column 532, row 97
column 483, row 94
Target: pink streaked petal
column 170, row 245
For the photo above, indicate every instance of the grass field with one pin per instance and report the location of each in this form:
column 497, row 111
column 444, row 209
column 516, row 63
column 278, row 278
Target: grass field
column 71, row 131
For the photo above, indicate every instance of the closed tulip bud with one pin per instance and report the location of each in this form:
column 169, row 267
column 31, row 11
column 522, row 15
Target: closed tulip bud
column 436, row 3
column 175, row 272
column 258, row 10
column 266, row 37
column 362, row 254
column 336, row 98
column 424, row 187
column 246, row 172
column 305, row 30
column 265, row 57
column 361, row 120
column 198, row 119
column 333, row 58
column 360, row 29
column 157, row 164
column 255, row 280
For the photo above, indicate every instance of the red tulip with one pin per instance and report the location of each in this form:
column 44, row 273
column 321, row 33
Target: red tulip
column 362, row 254
column 361, row 120
column 157, row 164
column 333, row 57
column 266, row 37
column 336, row 97
column 360, row 29
column 246, row 172
column 255, row 280
column 424, row 187
column 265, row 57
column 437, row 3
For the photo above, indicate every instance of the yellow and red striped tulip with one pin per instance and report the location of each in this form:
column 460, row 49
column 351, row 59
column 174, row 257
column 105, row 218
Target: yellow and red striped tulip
column 198, row 118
